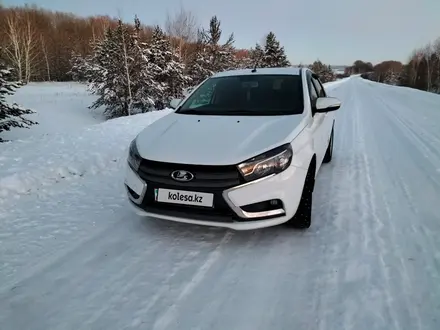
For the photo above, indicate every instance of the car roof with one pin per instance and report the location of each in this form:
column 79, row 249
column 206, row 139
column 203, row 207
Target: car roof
column 266, row 71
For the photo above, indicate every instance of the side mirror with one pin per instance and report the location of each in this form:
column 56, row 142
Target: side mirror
column 326, row 104
column 174, row 103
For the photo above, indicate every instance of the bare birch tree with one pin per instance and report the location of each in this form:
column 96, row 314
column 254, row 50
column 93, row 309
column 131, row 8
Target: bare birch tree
column 436, row 51
column 416, row 59
column 46, row 57
column 182, row 28
column 30, row 42
column 126, row 66
column 14, row 51
column 427, row 54
column 22, row 50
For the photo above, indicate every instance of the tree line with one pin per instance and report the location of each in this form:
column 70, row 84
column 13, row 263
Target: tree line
column 422, row 70
column 132, row 68
column 39, row 44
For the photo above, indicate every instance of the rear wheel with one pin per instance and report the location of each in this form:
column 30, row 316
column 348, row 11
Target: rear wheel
column 329, row 153
column 303, row 216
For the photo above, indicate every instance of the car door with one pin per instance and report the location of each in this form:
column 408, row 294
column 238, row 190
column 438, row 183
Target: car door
column 328, row 117
column 317, row 128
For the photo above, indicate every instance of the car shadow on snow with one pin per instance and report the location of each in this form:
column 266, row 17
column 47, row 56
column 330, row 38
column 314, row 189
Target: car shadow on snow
column 195, row 233
column 324, row 215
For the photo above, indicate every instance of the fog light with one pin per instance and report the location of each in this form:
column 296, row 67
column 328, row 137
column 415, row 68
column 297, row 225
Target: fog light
column 132, row 192
column 268, row 205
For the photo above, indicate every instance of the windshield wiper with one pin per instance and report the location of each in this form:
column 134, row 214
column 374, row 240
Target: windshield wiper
column 193, row 111
column 225, row 112
column 215, row 111
column 240, row 111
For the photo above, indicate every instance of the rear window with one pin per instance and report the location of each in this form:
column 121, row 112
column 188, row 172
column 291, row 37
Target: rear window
column 247, row 95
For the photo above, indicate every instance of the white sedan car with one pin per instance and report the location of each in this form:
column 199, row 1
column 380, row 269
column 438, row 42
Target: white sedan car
column 241, row 151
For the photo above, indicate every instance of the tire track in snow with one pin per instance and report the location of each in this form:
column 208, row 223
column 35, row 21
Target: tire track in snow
column 169, row 315
column 391, row 233
column 330, row 293
column 125, row 276
column 429, row 174
column 367, row 243
column 418, row 169
column 404, row 292
column 409, row 105
column 342, row 191
column 371, row 239
column 431, row 153
column 383, row 225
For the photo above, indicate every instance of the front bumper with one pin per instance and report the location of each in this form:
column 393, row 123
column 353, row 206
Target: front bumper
column 230, row 205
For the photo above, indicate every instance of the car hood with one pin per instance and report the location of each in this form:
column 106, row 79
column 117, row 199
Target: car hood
column 215, row 140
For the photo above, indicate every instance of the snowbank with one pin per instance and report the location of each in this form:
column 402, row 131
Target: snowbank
column 333, row 84
column 29, row 165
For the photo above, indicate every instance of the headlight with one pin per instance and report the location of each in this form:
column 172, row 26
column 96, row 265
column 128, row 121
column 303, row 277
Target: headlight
column 134, row 159
column 271, row 162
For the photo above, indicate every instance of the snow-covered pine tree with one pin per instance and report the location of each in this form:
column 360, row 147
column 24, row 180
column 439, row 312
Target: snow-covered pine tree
column 210, row 56
column 256, row 57
column 11, row 115
column 199, row 66
column 328, row 75
column 100, row 62
column 274, row 54
column 242, row 62
column 243, row 59
column 145, row 89
column 118, row 72
column 226, row 56
column 325, row 72
column 167, row 67
column 80, row 67
column 391, row 78
column 221, row 56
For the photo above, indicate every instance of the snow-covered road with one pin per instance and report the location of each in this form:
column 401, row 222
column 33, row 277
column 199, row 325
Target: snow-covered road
column 75, row 257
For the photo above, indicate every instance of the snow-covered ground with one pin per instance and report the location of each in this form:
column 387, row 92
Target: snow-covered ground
column 60, row 108
column 31, row 165
column 74, row 256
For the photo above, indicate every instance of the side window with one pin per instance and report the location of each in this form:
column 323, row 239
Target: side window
column 312, row 92
column 319, row 88
column 324, row 94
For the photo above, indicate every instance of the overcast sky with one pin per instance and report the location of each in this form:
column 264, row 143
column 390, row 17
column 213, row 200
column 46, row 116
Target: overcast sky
column 337, row 31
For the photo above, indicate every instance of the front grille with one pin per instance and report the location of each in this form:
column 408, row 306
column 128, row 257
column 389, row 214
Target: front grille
column 216, row 177
column 221, row 212
column 209, row 179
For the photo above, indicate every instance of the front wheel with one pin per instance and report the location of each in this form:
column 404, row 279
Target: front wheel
column 329, row 152
column 303, row 216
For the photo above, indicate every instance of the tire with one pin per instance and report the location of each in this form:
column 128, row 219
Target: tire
column 329, row 152
column 303, row 216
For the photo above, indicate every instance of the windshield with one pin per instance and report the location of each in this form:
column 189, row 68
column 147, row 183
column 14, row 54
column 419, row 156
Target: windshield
column 247, row 95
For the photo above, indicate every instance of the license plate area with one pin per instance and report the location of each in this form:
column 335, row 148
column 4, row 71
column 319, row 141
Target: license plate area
column 182, row 197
